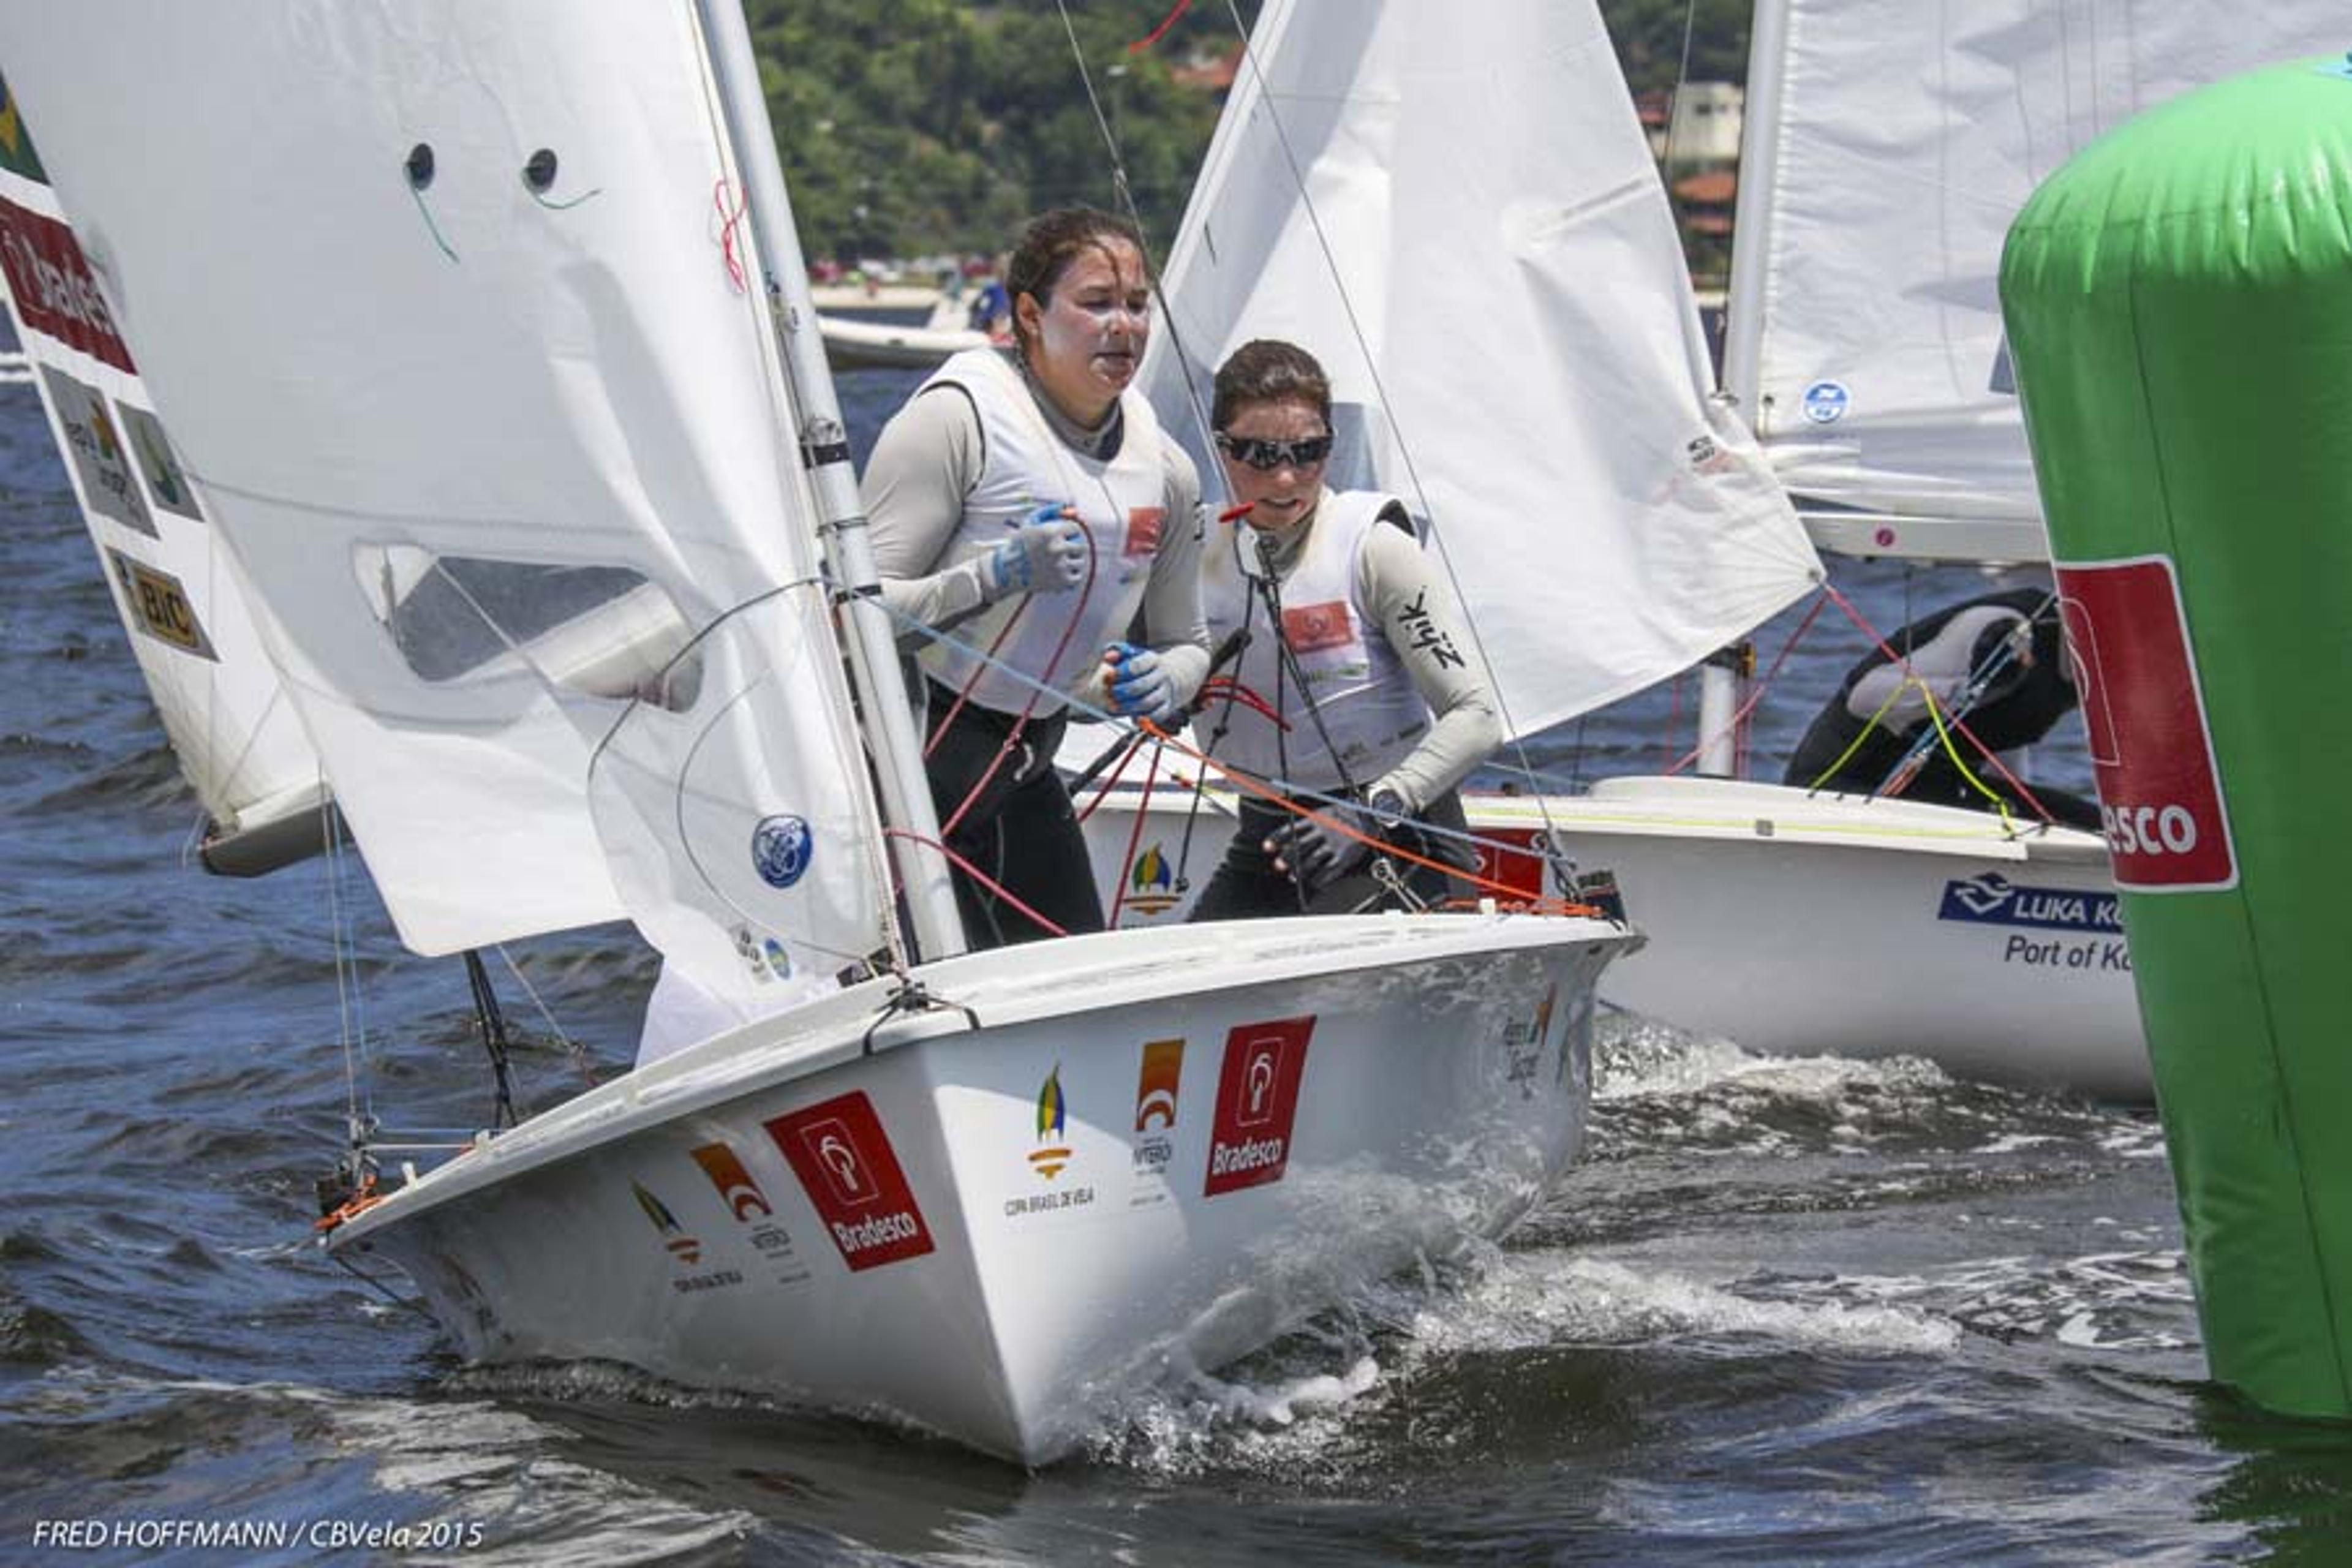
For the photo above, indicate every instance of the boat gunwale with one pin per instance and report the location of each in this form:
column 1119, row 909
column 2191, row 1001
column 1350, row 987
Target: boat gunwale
column 841, row 1027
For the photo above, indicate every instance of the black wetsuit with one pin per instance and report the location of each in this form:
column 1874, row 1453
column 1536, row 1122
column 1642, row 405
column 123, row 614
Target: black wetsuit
column 1023, row 802
column 2017, row 708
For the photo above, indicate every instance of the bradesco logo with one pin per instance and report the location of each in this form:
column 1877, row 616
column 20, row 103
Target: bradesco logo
column 1257, row 1099
column 2160, row 794
column 56, row 294
column 846, row 1164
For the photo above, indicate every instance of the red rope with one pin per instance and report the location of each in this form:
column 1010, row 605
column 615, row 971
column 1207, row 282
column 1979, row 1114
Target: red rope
column 1739, row 719
column 727, row 225
column 982, row 877
column 1134, row 837
column 1854, row 613
column 1160, row 31
column 1013, row 736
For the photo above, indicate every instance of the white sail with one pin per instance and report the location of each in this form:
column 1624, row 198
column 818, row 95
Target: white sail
column 239, row 741
column 483, row 396
column 1452, row 208
column 1887, row 145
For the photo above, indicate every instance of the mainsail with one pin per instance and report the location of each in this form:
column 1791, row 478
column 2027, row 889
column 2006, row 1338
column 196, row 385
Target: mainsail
column 1888, row 146
column 239, row 741
column 1452, row 206
column 477, row 380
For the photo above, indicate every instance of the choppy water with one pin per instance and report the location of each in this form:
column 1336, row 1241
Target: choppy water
column 1787, row 1310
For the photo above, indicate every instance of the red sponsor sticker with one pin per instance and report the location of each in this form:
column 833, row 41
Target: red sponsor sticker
column 735, row 1185
column 1257, row 1099
column 1307, row 627
column 1143, row 530
column 845, row 1162
column 2160, row 791
column 54, row 293
column 1156, row 1085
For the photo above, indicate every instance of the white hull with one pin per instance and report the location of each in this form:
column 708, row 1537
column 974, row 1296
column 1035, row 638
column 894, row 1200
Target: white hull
column 856, row 345
column 1258, row 1117
column 1798, row 925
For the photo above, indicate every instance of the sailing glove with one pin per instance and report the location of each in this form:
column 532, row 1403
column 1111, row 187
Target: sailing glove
column 1317, row 855
column 1046, row 554
column 1140, row 685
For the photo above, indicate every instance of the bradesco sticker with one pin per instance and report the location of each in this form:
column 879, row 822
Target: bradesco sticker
column 2160, row 793
column 1257, row 1101
column 844, row 1161
column 56, row 295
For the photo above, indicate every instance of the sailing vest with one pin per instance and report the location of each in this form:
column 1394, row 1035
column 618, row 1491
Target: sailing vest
column 1361, row 692
column 1121, row 503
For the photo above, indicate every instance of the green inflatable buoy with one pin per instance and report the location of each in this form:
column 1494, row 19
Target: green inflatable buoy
column 2178, row 302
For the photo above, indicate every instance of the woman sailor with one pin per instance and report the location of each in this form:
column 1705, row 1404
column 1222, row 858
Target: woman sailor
column 1354, row 676
column 1025, row 503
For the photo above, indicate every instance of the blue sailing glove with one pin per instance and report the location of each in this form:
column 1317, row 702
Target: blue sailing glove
column 1315, row 855
column 1141, row 688
column 1046, row 554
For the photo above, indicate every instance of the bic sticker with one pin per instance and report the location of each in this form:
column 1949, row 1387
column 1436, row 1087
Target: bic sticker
column 1257, row 1101
column 2160, row 793
column 1309, row 628
column 846, row 1164
column 159, row 606
column 1143, row 530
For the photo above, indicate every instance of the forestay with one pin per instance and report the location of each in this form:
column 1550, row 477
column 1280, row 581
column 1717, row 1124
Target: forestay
column 1452, row 206
column 237, row 740
column 1888, row 146
column 480, row 389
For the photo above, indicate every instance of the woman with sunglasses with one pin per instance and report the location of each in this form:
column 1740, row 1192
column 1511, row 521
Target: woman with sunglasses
column 1355, row 680
column 1023, row 504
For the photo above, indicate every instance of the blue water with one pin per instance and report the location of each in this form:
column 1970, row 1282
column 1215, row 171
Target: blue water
column 1788, row 1310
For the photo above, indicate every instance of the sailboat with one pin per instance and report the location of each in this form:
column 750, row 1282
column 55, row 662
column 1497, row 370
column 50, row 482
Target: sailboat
column 534, row 478
column 239, row 743
column 1453, row 207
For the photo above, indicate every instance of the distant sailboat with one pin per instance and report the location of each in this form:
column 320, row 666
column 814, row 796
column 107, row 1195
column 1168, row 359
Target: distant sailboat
column 553, row 517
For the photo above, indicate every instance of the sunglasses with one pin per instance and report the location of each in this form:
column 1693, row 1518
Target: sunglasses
column 1268, row 456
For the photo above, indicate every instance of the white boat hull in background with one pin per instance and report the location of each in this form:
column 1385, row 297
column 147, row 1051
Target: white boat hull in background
column 1258, row 1117
column 1793, row 925
column 851, row 345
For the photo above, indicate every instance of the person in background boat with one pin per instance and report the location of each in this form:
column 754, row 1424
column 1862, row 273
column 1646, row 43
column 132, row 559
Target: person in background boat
column 1026, row 504
column 991, row 307
column 1356, row 677
column 1998, row 662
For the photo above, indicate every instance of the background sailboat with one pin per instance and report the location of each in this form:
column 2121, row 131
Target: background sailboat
column 178, row 591
column 502, row 431
column 1886, row 148
column 1458, row 213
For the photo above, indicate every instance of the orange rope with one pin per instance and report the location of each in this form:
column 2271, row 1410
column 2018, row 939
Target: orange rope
column 350, row 1208
column 1251, row 787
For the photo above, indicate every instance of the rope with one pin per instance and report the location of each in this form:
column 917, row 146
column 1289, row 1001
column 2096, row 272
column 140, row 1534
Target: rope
column 1757, row 689
column 977, row 875
column 1854, row 613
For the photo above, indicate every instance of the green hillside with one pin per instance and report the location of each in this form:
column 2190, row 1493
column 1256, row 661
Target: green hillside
column 914, row 127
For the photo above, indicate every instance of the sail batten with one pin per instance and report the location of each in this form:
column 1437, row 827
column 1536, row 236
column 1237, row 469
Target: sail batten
column 1454, row 208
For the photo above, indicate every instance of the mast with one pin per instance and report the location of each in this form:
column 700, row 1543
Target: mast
column 1751, row 237
column 885, row 718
